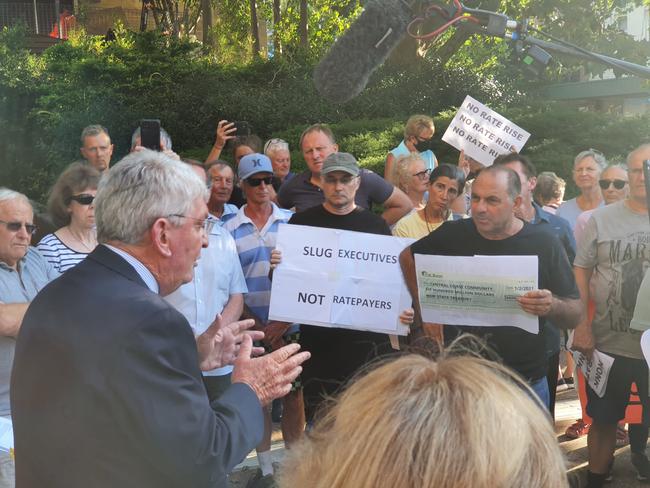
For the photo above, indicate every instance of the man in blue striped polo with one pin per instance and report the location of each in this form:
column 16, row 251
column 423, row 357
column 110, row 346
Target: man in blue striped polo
column 255, row 229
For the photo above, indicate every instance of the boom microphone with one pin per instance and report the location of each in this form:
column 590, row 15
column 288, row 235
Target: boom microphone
column 344, row 72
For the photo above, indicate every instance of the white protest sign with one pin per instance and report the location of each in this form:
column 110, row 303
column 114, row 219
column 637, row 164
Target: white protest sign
column 596, row 370
column 476, row 290
column 338, row 278
column 482, row 133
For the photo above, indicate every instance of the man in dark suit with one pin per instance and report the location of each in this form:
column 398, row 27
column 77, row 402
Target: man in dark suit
column 106, row 386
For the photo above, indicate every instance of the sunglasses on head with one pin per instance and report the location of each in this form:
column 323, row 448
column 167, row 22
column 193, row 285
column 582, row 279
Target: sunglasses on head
column 16, row 226
column 618, row 184
column 258, row 181
column 83, row 199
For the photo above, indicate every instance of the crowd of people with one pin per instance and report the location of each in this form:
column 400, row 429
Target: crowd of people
column 136, row 347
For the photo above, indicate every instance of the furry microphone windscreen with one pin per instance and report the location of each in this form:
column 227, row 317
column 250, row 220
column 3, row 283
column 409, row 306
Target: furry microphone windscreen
column 344, row 72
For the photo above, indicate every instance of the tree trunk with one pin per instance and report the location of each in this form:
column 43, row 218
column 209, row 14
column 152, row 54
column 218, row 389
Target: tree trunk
column 255, row 29
column 206, row 12
column 277, row 46
column 302, row 28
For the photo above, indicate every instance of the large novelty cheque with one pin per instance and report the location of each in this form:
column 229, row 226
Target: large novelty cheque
column 339, row 278
column 483, row 133
column 476, row 290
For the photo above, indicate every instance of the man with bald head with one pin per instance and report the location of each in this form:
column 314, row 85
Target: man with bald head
column 495, row 229
column 23, row 272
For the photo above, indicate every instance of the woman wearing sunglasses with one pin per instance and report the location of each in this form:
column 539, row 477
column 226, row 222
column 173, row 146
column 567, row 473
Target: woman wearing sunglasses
column 418, row 134
column 72, row 210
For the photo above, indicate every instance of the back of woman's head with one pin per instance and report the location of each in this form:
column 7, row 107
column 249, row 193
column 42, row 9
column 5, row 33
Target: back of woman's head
column 459, row 421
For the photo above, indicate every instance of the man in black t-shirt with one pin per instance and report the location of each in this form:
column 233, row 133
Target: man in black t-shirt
column 495, row 230
column 336, row 354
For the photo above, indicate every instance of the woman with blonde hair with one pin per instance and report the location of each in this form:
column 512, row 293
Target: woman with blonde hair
column 418, row 133
column 412, row 177
column 454, row 422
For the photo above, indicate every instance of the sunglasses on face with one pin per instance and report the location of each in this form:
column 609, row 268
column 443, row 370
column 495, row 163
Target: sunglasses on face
column 258, row 181
column 83, row 199
column 618, row 184
column 16, row 226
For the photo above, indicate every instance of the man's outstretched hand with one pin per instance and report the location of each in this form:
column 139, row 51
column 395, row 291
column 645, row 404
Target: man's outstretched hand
column 219, row 345
column 269, row 376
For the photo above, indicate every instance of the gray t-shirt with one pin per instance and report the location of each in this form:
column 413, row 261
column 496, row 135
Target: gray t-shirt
column 616, row 244
column 19, row 287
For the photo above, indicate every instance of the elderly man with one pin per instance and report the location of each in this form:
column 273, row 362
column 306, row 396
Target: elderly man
column 96, row 147
column 23, row 272
column 221, row 178
column 106, row 388
column 612, row 258
column 494, row 229
column 305, row 190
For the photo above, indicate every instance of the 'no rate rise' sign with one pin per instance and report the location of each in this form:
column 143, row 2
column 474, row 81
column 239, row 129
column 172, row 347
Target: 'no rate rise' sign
column 483, row 133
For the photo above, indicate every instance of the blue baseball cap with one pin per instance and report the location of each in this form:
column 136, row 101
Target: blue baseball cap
column 252, row 164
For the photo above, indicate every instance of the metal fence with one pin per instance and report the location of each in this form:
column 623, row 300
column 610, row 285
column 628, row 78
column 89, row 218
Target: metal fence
column 39, row 19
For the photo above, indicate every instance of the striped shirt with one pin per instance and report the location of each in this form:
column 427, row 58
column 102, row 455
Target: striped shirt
column 254, row 247
column 60, row 256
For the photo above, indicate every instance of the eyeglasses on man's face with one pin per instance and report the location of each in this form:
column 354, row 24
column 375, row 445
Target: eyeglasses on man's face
column 206, row 224
column 16, row 226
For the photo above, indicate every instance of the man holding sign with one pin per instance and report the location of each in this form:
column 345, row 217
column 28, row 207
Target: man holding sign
column 338, row 353
column 494, row 230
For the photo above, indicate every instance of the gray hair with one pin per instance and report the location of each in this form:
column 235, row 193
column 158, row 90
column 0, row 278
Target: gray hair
column 142, row 187
column 622, row 166
column 599, row 157
column 273, row 145
column 7, row 195
column 642, row 147
column 164, row 135
column 93, row 130
column 401, row 170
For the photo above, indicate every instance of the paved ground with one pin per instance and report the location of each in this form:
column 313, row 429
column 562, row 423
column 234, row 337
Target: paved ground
column 567, row 410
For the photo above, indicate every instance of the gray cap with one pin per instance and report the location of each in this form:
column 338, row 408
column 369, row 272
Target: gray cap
column 340, row 161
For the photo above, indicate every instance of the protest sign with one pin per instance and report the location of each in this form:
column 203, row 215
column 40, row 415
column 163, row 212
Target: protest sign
column 596, row 370
column 482, row 133
column 476, row 290
column 338, row 278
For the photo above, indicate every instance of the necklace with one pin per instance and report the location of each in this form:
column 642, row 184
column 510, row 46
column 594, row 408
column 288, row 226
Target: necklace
column 426, row 220
column 87, row 247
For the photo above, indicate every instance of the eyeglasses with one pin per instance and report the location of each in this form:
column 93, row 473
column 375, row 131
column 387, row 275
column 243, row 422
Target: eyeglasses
column 258, row 181
column 345, row 180
column 423, row 175
column 16, row 226
column 206, row 224
column 83, row 199
column 618, row 184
